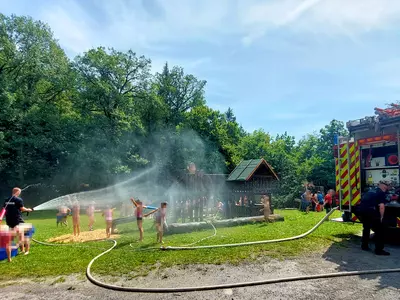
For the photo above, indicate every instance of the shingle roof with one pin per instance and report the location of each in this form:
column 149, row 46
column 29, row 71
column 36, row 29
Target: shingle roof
column 246, row 168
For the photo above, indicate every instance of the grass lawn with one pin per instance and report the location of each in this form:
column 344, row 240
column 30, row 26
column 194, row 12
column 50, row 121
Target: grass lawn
column 63, row 260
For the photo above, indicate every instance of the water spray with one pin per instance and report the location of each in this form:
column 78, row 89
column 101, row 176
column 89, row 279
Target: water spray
column 109, row 195
column 35, row 184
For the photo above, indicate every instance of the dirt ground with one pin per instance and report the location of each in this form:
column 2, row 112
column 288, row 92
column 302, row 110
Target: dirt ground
column 84, row 236
column 335, row 259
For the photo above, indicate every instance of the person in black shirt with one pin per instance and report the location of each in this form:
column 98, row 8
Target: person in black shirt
column 14, row 209
column 372, row 210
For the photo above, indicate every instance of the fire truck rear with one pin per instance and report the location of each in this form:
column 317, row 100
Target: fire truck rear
column 368, row 155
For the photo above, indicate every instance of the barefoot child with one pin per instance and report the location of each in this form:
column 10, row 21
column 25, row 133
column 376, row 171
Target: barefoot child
column 108, row 216
column 25, row 231
column 76, row 217
column 62, row 215
column 90, row 213
column 139, row 216
column 267, row 207
column 161, row 214
column 6, row 237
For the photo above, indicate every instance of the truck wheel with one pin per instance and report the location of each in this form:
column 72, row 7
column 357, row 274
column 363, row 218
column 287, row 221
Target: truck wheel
column 346, row 216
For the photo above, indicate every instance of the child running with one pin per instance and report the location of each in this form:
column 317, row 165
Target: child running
column 108, row 216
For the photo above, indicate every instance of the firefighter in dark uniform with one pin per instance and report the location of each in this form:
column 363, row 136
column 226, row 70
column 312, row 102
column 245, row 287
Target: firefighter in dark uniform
column 372, row 211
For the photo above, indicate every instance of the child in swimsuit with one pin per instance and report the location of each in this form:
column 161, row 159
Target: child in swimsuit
column 90, row 213
column 25, row 230
column 62, row 215
column 161, row 221
column 267, row 208
column 139, row 218
column 76, row 218
column 6, row 237
column 108, row 216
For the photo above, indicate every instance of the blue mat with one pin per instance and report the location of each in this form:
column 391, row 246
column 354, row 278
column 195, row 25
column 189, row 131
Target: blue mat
column 3, row 254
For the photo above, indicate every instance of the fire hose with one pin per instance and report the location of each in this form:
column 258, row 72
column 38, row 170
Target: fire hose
column 228, row 285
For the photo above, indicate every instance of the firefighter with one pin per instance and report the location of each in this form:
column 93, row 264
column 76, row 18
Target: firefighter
column 14, row 208
column 372, row 210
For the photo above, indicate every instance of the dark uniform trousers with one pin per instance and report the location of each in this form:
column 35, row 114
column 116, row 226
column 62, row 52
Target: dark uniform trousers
column 371, row 220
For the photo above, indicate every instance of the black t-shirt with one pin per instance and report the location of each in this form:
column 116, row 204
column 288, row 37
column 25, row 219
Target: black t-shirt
column 372, row 199
column 13, row 211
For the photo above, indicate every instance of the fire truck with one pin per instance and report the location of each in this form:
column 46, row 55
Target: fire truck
column 369, row 154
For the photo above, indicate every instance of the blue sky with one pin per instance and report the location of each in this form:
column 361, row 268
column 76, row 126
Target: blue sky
column 282, row 65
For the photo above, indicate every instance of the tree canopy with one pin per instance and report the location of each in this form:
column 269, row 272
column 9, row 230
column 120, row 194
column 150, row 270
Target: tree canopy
column 103, row 115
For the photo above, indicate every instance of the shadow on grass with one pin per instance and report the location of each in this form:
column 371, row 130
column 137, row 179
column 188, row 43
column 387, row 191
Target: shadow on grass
column 262, row 225
column 139, row 247
column 347, row 254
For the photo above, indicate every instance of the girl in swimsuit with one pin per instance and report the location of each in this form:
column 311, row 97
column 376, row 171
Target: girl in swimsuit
column 139, row 215
column 139, row 218
column 108, row 216
column 6, row 237
column 160, row 220
column 90, row 213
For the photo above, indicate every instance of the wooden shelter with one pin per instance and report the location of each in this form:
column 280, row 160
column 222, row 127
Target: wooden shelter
column 240, row 191
column 247, row 183
column 253, row 176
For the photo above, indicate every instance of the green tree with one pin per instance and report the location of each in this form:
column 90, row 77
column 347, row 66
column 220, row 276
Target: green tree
column 35, row 82
column 315, row 155
column 112, row 86
column 180, row 92
column 109, row 85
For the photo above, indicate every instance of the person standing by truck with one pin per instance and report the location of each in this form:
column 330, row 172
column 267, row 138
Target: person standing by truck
column 328, row 201
column 372, row 211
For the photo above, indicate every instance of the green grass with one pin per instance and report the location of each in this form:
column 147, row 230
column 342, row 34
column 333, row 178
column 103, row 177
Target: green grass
column 63, row 260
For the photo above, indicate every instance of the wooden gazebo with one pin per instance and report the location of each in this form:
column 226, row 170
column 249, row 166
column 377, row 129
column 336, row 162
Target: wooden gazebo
column 247, row 183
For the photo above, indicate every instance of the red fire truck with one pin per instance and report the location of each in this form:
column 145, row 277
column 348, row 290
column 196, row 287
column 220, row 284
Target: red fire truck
column 369, row 154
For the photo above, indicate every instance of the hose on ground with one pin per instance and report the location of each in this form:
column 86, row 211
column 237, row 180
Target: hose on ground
column 194, row 243
column 223, row 286
column 228, row 285
column 206, row 238
column 256, row 242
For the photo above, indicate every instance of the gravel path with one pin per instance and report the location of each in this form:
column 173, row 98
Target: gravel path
column 335, row 259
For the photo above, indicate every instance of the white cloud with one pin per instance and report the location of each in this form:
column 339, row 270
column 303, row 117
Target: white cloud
column 128, row 23
column 188, row 65
column 343, row 17
column 73, row 32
